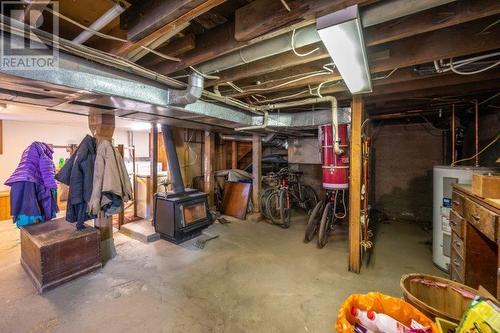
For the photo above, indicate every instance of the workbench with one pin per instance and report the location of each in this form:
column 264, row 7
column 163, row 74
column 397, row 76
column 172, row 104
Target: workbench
column 475, row 240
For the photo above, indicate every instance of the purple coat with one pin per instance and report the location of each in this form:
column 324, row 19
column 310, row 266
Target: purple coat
column 35, row 166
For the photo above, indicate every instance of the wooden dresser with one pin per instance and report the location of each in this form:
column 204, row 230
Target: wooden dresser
column 475, row 240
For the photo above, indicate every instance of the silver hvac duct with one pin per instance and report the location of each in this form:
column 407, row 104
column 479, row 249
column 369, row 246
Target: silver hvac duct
column 189, row 95
column 376, row 14
column 246, row 138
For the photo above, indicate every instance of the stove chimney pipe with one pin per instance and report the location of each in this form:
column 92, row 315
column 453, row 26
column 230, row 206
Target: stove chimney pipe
column 172, row 160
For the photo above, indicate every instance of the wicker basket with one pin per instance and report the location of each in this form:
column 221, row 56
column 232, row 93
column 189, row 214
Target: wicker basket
column 436, row 301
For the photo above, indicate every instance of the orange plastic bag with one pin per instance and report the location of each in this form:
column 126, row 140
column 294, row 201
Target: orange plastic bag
column 380, row 303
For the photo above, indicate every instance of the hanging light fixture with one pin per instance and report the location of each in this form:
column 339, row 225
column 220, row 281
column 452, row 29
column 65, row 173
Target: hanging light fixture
column 342, row 34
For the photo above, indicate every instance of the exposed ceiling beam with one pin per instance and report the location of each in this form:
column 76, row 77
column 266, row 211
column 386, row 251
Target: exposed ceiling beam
column 441, row 17
column 262, row 16
column 427, row 21
column 144, row 17
column 216, row 47
column 172, row 49
column 132, row 47
column 271, row 64
column 421, row 49
column 445, row 90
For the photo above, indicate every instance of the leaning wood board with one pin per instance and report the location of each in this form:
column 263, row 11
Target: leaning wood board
column 235, row 201
column 54, row 252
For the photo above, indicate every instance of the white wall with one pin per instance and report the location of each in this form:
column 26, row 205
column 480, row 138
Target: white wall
column 17, row 135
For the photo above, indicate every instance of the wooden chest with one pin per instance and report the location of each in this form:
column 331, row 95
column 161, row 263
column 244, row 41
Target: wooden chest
column 54, row 252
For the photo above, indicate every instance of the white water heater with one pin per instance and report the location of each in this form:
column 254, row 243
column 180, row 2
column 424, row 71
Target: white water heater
column 444, row 178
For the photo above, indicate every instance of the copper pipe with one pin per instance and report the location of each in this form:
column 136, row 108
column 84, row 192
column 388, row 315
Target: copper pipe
column 453, row 133
column 476, row 123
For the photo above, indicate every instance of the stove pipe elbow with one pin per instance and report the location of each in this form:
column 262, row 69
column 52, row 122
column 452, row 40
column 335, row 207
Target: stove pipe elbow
column 189, row 95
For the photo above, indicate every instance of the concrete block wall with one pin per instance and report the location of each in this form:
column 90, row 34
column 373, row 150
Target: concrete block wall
column 402, row 162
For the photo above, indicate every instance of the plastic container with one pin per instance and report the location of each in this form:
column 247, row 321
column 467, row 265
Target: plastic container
column 391, row 306
column 442, row 299
column 364, row 319
column 386, row 324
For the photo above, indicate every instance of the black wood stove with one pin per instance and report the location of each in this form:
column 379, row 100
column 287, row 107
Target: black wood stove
column 183, row 213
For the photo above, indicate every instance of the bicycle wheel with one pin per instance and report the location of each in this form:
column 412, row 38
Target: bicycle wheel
column 285, row 209
column 324, row 225
column 312, row 224
column 309, row 198
column 263, row 201
column 273, row 207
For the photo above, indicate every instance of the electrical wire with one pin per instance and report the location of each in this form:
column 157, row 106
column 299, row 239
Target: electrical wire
column 480, row 152
column 206, row 76
column 87, row 52
column 295, row 51
column 105, row 36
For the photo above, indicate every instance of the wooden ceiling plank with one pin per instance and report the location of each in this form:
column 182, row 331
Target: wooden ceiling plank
column 420, row 49
column 441, row 17
column 146, row 17
column 428, row 21
column 172, row 49
column 262, row 16
column 129, row 47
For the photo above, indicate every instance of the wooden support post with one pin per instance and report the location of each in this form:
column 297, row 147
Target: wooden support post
column 208, row 171
column 121, row 215
column 134, row 179
column 256, row 171
column 102, row 127
column 223, row 156
column 355, row 186
column 234, row 155
column 153, row 155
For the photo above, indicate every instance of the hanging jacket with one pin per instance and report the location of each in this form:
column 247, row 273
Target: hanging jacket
column 78, row 173
column 112, row 185
column 35, row 166
column 33, row 193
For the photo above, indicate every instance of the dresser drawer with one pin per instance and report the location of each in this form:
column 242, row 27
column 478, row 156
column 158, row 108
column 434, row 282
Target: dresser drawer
column 458, row 245
column 482, row 218
column 457, row 264
column 457, row 203
column 457, row 224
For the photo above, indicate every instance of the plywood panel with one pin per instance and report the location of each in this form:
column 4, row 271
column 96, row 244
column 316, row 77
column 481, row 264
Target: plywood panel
column 235, row 200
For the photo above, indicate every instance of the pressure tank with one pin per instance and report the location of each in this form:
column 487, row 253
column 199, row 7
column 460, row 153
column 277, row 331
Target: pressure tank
column 335, row 167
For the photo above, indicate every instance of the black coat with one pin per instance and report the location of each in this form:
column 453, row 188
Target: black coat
column 78, row 174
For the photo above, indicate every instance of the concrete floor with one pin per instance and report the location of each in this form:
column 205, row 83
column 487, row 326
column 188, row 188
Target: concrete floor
column 254, row 278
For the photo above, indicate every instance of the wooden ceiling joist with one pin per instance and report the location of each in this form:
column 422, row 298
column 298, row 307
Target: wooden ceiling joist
column 428, row 21
column 145, row 17
column 420, row 49
column 441, row 17
column 262, row 16
column 131, row 48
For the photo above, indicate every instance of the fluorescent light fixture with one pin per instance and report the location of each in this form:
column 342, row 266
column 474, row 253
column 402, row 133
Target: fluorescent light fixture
column 342, row 34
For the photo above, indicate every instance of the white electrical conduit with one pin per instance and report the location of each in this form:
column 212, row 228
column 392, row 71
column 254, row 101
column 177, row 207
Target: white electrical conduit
column 100, row 23
column 256, row 127
column 463, row 62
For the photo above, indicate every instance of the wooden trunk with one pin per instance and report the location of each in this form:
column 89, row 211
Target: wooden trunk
column 54, row 252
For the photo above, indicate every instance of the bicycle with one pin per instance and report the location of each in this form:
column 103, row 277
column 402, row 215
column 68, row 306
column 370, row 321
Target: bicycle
column 289, row 192
column 330, row 215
